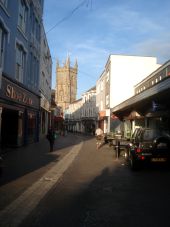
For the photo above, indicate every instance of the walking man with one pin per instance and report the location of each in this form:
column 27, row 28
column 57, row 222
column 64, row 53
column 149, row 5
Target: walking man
column 51, row 138
column 99, row 137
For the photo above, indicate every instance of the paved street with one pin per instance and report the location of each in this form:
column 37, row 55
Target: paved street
column 77, row 185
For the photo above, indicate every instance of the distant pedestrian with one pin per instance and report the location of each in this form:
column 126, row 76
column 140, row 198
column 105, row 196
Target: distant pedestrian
column 99, row 137
column 51, row 138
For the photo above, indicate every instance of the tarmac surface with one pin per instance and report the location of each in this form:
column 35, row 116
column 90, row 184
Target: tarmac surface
column 79, row 186
column 30, row 172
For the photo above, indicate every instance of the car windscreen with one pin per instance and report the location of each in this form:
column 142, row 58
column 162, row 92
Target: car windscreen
column 151, row 134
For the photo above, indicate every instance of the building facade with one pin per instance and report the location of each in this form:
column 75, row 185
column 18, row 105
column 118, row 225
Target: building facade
column 89, row 111
column 20, row 35
column 45, row 84
column 116, row 84
column 66, row 84
column 149, row 107
column 81, row 115
column 72, row 117
column 103, row 100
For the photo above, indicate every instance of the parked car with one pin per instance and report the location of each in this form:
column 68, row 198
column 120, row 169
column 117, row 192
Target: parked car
column 148, row 145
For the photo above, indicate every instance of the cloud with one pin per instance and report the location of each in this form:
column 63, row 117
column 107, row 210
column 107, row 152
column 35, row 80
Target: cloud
column 122, row 18
column 159, row 47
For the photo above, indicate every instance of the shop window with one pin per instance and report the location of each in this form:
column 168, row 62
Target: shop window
column 20, row 124
column 43, row 122
column 31, row 124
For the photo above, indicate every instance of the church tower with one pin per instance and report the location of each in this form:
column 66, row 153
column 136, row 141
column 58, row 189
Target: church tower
column 66, row 84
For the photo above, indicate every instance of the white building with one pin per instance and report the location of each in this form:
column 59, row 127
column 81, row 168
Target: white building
column 81, row 115
column 89, row 111
column 102, row 100
column 72, row 116
column 125, row 72
column 45, row 84
column 116, row 84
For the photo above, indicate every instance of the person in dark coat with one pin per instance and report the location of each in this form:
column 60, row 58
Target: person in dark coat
column 51, row 138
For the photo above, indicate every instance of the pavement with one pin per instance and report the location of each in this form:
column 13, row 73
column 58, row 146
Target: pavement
column 18, row 162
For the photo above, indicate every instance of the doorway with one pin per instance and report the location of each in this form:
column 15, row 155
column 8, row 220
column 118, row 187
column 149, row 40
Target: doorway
column 9, row 128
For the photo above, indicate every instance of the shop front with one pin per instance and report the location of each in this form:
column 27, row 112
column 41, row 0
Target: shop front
column 150, row 109
column 19, row 115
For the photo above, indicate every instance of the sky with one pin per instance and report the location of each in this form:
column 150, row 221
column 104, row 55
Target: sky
column 91, row 30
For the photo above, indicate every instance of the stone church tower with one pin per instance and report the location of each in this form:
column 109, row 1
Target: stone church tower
column 66, row 84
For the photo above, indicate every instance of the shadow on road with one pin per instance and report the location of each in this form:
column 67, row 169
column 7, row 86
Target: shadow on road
column 117, row 197
column 18, row 162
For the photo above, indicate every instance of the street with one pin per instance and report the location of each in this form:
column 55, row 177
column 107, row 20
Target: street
column 77, row 185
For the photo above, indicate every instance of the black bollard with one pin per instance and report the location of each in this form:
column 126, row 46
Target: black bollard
column 117, row 148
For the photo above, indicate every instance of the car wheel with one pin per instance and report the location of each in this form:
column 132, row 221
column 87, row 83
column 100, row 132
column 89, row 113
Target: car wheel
column 134, row 164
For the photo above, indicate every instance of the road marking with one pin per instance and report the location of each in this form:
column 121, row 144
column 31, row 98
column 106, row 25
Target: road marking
column 17, row 211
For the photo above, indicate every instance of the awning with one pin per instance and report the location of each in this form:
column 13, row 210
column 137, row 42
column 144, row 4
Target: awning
column 134, row 115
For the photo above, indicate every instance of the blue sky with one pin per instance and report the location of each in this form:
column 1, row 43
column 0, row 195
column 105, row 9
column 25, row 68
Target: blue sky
column 91, row 30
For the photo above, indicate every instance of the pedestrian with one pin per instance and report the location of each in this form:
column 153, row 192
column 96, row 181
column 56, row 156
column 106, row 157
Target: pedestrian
column 51, row 138
column 99, row 137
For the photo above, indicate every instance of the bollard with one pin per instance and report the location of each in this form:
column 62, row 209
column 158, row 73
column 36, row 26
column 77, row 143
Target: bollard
column 117, row 148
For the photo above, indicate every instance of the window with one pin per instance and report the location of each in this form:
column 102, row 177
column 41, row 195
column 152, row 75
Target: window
column 101, row 105
column 107, row 77
column 107, row 99
column 102, row 85
column 61, row 95
column 2, row 45
column 4, row 2
column 20, row 63
column 22, row 15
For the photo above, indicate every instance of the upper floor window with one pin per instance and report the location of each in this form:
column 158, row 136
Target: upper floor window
column 22, row 15
column 4, row 2
column 2, row 46
column 98, row 88
column 102, row 85
column 107, row 99
column 101, row 105
column 20, row 63
column 107, row 76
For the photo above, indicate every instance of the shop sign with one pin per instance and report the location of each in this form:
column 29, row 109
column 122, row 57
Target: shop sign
column 18, row 96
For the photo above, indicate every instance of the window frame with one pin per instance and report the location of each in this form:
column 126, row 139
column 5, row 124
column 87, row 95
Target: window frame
column 2, row 46
column 4, row 3
column 22, row 15
column 20, row 63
